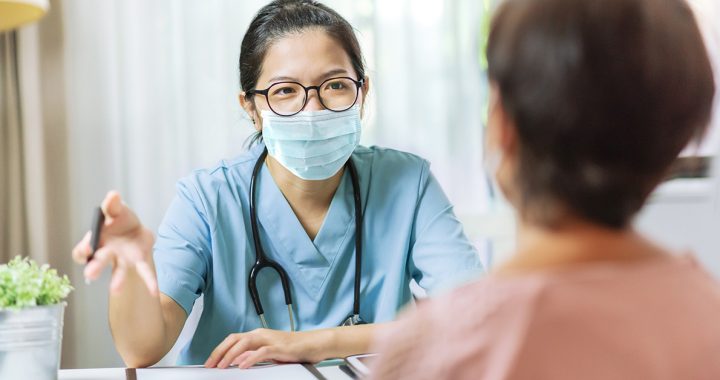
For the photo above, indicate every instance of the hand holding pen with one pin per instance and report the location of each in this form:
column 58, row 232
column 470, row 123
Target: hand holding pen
column 118, row 239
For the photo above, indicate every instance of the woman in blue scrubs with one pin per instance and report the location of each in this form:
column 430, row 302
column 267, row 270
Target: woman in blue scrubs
column 297, row 197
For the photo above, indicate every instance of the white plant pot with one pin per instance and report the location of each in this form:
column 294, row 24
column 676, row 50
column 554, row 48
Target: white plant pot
column 30, row 341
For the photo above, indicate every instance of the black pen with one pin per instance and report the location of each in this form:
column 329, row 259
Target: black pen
column 97, row 224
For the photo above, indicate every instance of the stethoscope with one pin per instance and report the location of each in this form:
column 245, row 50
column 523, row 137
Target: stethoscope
column 262, row 261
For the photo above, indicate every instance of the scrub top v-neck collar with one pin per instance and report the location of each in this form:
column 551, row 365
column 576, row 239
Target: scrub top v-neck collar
column 304, row 259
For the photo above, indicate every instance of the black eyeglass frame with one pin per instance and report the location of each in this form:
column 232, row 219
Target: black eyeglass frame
column 265, row 92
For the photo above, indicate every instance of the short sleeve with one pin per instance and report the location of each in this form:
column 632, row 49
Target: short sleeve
column 182, row 251
column 442, row 256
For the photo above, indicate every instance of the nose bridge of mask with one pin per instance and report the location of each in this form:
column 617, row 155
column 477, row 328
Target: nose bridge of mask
column 311, row 125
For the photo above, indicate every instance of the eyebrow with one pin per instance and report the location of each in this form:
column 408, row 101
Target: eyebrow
column 328, row 74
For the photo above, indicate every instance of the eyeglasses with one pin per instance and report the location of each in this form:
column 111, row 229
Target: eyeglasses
column 289, row 98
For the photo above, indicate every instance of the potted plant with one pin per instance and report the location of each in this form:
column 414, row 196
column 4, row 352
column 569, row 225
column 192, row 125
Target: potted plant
column 31, row 319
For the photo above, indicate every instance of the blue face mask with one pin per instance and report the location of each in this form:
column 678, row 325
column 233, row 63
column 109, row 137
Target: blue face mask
column 313, row 145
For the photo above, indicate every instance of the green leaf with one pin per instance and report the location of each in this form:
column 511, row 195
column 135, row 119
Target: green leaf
column 23, row 284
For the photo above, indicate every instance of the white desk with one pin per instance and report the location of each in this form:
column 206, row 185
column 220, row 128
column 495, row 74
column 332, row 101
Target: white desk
column 92, row 374
column 329, row 370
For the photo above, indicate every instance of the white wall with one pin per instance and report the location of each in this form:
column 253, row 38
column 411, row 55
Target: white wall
column 683, row 215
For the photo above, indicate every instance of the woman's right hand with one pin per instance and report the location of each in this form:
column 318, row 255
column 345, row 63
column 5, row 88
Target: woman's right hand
column 125, row 244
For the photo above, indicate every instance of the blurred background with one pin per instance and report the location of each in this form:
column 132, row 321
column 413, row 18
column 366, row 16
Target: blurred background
column 132, row 95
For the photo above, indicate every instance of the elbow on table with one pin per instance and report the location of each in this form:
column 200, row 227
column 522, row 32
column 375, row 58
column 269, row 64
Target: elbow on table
column 135, row 360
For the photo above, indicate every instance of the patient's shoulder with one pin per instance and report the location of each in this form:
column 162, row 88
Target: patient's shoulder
column 504, row 325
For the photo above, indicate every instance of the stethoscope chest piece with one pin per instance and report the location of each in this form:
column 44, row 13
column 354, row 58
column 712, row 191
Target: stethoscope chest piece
column 353, row 320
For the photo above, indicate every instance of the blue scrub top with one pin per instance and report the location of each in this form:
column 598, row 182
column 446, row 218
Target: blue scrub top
column 204, row 246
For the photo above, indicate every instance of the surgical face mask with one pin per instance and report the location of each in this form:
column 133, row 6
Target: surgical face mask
column 313, row 145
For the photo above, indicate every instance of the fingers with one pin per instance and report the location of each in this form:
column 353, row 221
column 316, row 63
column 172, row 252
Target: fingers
column 82, row 250
column 232, row 346
column 118, row 279
column 125, row 244
column 241, row 346
column 253, row 357
column 247, row 349
column 148, row 276
column 120, row 220
column 241, row 358
column 105, row 256
column 112, row 205
column 102, row 258
column 219, row 351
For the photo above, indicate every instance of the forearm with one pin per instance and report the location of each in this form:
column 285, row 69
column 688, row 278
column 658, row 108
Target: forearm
column 137, row 323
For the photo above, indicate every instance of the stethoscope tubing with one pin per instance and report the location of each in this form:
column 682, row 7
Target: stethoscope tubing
column 262, row 261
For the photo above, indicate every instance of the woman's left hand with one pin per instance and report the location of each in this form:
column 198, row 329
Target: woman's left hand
column 247, row 349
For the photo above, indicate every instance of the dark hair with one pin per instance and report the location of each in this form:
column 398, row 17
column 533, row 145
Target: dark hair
column 604, row 94
column 283, row 17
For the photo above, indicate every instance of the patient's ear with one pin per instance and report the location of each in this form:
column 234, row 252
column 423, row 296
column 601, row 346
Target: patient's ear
column 502, row 142
column 501, row 126
column 249, row 106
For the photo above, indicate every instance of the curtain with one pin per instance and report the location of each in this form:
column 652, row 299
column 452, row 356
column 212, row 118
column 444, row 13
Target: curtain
column 153, row 89
column 430, row 90
column 13, row 221
column 132, row 95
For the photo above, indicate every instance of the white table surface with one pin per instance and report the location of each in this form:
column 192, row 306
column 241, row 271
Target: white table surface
column 92, row 374
column 331, row 372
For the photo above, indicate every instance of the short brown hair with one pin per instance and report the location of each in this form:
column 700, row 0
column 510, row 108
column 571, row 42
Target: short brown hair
column 604, row 95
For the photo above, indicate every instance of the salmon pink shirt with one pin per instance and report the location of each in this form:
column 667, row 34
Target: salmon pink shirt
column 658, row 318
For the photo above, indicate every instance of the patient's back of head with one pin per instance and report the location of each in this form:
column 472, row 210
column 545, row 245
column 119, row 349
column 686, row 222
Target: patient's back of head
column 593, row 101
column 603, row 95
